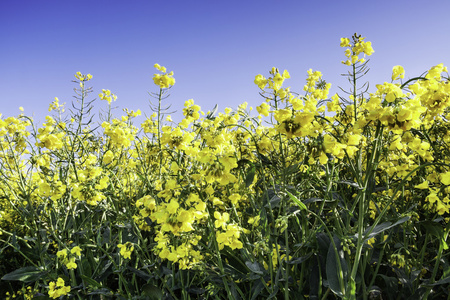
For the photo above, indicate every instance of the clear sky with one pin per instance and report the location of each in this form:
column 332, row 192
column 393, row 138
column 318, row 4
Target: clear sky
column 215, row 48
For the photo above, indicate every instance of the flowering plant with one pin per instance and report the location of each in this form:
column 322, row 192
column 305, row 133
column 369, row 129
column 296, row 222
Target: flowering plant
column 314, row 197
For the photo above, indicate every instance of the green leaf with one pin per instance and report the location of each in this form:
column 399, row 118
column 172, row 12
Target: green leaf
column 299, row 260
column 152, row 292
column 351, row 288
column 351, row 183
column 314, row 199
column 391, row 284
column 433, row 228
column 250, row 176
column 255, row 267
column 382, row 227
column 103, row 291
column 439, row 282
column 14, row 242
column 91, row 281
column 336, row 269
column 26, row 274
column 273, row 202
column 212, row 112
column 274, row 293
column 256, row 289
column 315, row 280
column 106, row 271
column 300, row 204
column 140, row 273
column 87, row 267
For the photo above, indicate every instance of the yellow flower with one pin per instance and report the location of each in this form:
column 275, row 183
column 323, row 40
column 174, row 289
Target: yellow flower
column 334, row 105
column 62, row 253
column 108, row 157
column 443, row 206
column 76, row 250
column 221, row 220
column 354, row 139
column 82, row 77
column 282, row 114
column 58, row 289
column 398, row 72
column 71, row 264
column 107, row 95
column 126, row 249
column 422, row 186
column 345, row 42
column 165, row 80
column 263, row 109
column 172, row 206
column 260, row 81
column 445, row 178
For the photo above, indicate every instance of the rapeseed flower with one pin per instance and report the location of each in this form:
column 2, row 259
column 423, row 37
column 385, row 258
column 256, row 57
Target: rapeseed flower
column 164, row 80
column 126, row 249
column 58, row 288
column 398, row 72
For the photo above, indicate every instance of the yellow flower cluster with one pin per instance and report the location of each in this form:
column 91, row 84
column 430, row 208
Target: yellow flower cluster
column 68, row 258
column 216, row 183
column 49, row 136
column 58, row 288
column 126, row 249
column 27, row 293
column 355, row 48
column 120, row 134
column 164, row 80
column 107, row 96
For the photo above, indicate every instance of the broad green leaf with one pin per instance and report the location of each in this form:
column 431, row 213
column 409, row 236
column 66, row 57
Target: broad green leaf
column 315, row 281
column 257, row 288
column 140, row 273
column 300, row 204
column 273, row 202
column 152, row 292
column 299, row 260
column 382, row 227
column 439, row 282
column 336, row 269
column 91, row 281
column 433, row 228
column 26, row 274
column 87, row 266
column 106, row 271
column 391, row 283
column 314, row 199
column 250, row 176
column 351, row 183
column 274, row 293
column 255, row 267
column 103, row 291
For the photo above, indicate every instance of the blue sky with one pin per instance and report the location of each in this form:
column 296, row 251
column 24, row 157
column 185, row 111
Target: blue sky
column 215, row 48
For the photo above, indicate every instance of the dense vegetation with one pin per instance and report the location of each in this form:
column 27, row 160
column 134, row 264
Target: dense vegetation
column 312, row 197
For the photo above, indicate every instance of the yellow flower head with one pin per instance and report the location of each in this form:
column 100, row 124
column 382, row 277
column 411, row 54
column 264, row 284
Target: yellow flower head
column 76, row 250
column 126, row 249
column 398, row 72
column 58, row 289
column 164, row 80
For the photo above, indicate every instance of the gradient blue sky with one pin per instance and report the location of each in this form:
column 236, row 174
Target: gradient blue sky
column 215, row 48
